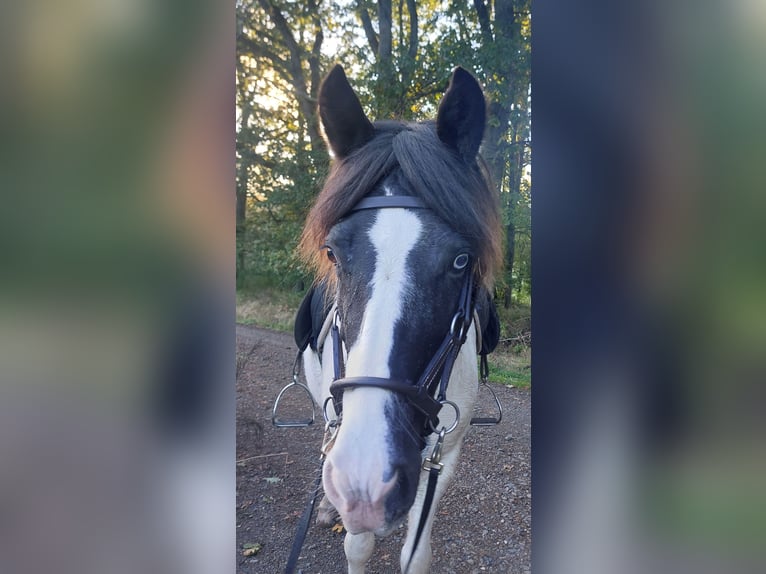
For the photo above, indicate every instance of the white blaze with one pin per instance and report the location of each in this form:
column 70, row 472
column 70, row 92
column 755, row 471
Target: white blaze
column 361, row 448
column 393, row 237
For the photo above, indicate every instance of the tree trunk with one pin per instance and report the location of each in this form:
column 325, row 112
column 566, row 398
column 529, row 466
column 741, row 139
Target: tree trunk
column 510, row 254
column 500, row 37
column 384, row 30
column 240, row 221
column 372, row 37
column 242, row 172
column 384, row 95
column 412, row 45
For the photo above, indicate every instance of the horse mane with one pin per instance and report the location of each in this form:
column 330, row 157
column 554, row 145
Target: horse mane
column 460, row 193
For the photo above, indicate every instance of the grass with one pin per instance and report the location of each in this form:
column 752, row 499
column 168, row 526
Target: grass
column 269, row 308
column 508, row 365
column 510, row 368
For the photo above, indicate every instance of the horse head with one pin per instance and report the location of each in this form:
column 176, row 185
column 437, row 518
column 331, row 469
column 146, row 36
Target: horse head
column 394, row 271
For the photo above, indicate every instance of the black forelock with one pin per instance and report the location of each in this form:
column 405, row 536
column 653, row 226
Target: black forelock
column 456, row 190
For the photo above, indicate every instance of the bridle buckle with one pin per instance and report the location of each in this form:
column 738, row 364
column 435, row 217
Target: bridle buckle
column 459, row 327
column 433, row 462
column 453, row 426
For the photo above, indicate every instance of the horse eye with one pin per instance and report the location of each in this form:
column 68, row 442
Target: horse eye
column 331, row 256
column 460, row 261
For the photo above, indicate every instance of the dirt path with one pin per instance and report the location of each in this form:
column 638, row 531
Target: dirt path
column 483, row 522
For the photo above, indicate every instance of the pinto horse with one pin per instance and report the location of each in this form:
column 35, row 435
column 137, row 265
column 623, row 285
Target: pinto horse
column 405, row 240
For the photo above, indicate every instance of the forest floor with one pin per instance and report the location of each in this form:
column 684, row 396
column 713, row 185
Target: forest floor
column 483, row 522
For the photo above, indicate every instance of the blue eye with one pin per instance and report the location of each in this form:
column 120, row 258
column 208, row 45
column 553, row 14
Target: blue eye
column 461, row 261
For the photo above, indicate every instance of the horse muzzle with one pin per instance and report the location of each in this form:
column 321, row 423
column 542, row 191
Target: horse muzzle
column 367, row 498
column 358, row 496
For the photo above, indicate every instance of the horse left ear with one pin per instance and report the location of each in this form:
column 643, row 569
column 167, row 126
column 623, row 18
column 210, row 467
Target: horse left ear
column 462, row 115
column 345, row 125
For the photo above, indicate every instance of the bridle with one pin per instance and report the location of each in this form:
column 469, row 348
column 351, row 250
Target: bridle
column 427, row 396
column 423, row 395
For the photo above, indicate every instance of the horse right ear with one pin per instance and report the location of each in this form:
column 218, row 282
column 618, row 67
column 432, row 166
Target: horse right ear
column 345, row 125
column 462, row 115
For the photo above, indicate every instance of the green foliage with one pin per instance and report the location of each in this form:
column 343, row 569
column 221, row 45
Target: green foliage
column 284, row 48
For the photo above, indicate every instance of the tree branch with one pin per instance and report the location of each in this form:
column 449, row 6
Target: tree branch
column 484, row 24
column 412, row 48
column 281, row 66
column 316, row 50
column 284, row 29
column 296, row 71
column 384, row 29
column 369, row 31
column 435, row 89
column 262, row 161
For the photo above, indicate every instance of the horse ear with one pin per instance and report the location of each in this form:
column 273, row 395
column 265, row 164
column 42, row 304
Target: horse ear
column 462, row 114
column 345, row 125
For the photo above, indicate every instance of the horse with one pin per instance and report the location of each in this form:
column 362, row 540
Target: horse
column 405, row 242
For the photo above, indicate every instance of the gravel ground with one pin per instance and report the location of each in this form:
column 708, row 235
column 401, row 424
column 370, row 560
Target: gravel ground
column 483, row 522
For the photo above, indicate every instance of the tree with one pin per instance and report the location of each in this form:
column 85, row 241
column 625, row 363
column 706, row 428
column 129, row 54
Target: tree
column 399, row 56
column 281, row 155
column 394, row 69
column 409, row 71
column 505, row 37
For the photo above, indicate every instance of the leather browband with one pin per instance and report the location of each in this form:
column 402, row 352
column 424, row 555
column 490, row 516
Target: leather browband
column 383, row 201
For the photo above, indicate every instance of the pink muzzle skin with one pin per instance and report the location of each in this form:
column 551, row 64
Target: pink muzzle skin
column 358, row 497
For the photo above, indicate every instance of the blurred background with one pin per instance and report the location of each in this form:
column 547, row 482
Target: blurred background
column 120, row 263
column 117, row 290
column 649, row 286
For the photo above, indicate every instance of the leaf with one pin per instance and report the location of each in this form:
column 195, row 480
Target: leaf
column 338, row 528
column 273, row 479
column 250, row 549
